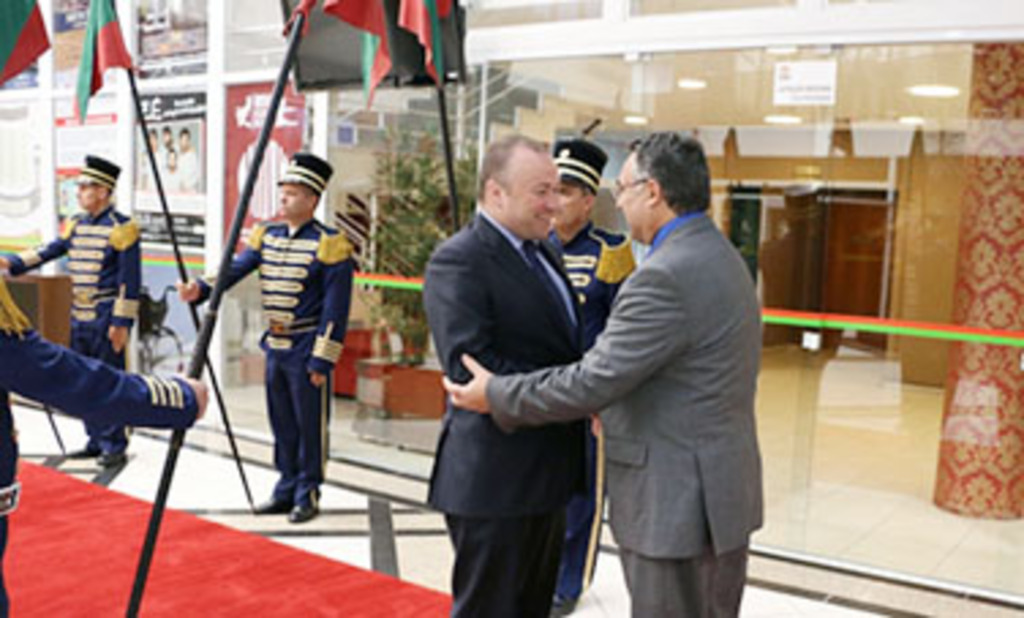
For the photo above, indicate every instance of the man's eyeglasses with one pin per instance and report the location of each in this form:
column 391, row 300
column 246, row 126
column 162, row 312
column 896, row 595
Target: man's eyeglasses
column 621, row 188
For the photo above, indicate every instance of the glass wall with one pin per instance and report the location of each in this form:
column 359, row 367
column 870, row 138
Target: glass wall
column 874, row 193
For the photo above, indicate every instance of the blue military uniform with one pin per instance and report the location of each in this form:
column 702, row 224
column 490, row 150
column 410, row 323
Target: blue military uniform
column 597, row 262
column 80, row 386
column 105, row 266
column 306, row 281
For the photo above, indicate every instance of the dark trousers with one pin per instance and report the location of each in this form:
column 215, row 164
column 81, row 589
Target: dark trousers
column 92, row 339
column 298, row 418
column 583, row 527
column 4, row 604
column 706, row 586
column 505, row 567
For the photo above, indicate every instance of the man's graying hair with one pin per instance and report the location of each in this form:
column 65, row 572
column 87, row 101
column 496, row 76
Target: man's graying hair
column 678, row 164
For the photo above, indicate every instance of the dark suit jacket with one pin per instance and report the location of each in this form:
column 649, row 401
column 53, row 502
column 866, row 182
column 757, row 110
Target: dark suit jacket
column 675, row 372
column 481, row 298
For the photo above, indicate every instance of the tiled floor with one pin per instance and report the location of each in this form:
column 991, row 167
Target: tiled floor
column 371, row 519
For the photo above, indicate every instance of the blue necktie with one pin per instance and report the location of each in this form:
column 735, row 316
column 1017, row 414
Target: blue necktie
column 530, row 251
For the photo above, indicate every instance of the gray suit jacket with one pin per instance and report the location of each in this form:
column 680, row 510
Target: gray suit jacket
column 675, row 373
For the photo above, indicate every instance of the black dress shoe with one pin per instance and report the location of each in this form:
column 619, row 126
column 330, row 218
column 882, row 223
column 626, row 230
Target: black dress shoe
column 302, row 513
column 85, row 453
column 561, row 606
column 109, row 460
column 273, row 507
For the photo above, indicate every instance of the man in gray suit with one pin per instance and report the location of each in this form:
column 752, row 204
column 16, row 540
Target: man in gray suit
column 675, row 372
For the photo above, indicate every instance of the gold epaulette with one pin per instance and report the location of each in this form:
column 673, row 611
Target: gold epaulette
column 69, row 228
column 12, row 320
column 124, row 235
column 615, row 263
column 333, row 248
column 255, row 241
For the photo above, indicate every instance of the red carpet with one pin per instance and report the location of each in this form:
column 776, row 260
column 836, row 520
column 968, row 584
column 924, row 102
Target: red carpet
column 74, row 548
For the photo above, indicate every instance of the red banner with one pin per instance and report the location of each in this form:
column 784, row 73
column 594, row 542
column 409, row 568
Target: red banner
column 246, row 112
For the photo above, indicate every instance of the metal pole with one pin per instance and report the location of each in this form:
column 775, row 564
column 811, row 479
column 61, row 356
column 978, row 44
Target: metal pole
column 183, row 276
column 56, row 433
column 210, row 316
column 449, row 163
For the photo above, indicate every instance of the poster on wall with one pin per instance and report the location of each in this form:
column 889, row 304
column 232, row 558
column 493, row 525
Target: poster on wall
column 69, row 20
column 172, row 37
column 246, row 111
column 22, row 220
column 75, row 139
column 177, row 133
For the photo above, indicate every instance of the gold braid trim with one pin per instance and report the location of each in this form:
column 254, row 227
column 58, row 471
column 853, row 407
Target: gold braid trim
column 124, row 235
column 256, row 237
column 69, row 228
column 12, row 320
column 616, row 263
column 333, row 249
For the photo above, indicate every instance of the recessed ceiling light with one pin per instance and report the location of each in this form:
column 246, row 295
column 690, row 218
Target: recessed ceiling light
column 781, row 50
column 934, row 91
column 912, row 120
column 782, row 119
column 692, row 84
column 635, row 120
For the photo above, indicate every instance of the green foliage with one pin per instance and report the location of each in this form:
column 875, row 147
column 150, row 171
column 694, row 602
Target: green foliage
column 414, row 216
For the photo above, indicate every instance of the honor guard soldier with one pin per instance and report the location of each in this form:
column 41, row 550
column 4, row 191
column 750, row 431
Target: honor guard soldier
column 597, row 261
column 80, row 386
column 105, row 266
column 306, row 275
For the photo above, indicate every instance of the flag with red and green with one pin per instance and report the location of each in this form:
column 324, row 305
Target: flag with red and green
column 368, row 16
column 104, row 49
column 22, row 36
column 423, row 18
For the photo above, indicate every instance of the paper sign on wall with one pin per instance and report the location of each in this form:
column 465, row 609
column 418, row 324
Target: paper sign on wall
column 805, row 83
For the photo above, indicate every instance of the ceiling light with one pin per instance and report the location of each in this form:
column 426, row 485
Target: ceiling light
column 692, row 84
column 782, row 119
column 934, row 91
column 781, row 50
column 912, row 120
column 635, row 120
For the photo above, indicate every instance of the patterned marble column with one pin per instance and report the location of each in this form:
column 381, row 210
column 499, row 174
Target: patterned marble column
column 981, row 457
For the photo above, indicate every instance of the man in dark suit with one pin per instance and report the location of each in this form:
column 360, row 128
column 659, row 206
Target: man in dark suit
column 496, row 290
column 675, row 371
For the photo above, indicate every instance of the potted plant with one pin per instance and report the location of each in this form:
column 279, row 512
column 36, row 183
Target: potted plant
column 413, row 216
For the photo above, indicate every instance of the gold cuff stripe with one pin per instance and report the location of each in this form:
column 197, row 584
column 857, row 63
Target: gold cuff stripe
column 327, row 349
column 85, row 279
column 83, row 315
column 124, row 308
column 30, row 258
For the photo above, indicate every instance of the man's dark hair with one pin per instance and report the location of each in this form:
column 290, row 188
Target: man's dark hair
column 678, row 165
column 498, row 155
